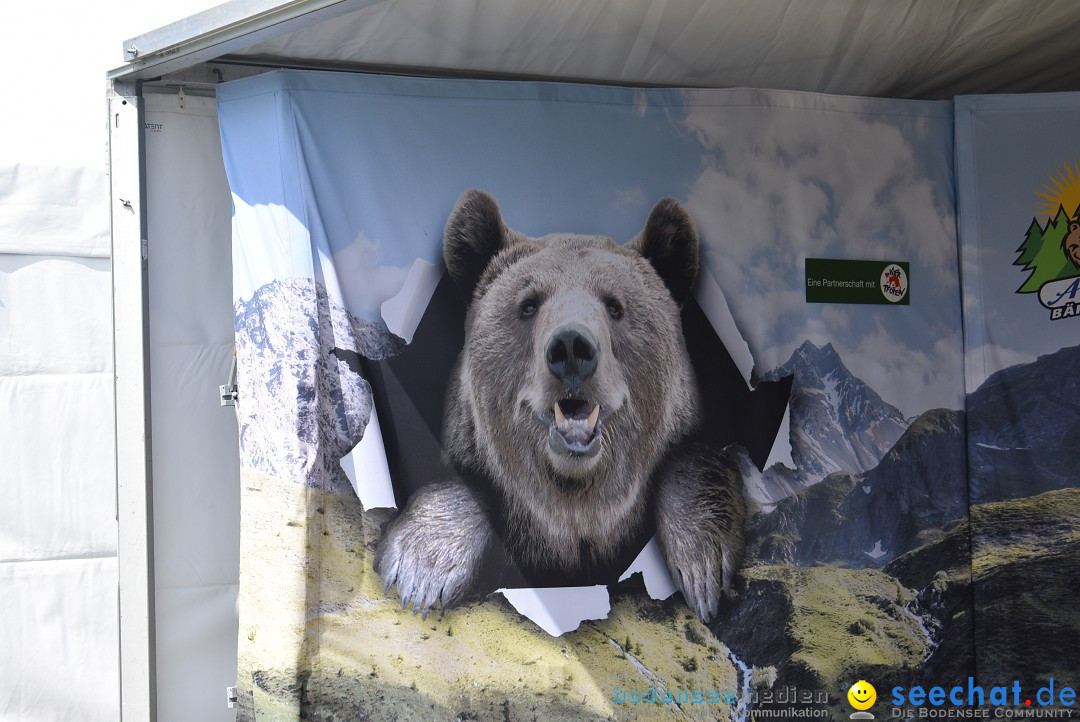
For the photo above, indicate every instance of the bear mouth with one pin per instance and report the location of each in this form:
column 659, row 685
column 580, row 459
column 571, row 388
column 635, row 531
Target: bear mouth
column 575, row 428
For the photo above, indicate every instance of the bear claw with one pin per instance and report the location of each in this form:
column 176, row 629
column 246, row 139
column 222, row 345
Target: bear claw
column 432, row 550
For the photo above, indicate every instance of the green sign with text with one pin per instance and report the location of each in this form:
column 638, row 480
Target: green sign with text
column 829, row 280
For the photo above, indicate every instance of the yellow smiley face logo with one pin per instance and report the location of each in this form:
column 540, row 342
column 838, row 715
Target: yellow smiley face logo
column 862, row 695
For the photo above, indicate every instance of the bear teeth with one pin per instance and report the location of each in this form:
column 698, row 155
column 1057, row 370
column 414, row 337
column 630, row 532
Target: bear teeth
column 576, row 423
column 560, row 420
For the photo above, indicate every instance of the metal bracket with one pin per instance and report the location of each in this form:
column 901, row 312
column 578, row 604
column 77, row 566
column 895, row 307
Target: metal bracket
column 229, row 394
column 231, row 697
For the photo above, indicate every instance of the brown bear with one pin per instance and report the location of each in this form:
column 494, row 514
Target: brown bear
column 1070, row 244
column 568, row 417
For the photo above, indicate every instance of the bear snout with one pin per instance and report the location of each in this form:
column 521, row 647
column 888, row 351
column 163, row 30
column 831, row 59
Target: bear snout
column 572, row 355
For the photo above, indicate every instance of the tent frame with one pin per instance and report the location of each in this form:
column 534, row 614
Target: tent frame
column 131, row 364
column 176, row 54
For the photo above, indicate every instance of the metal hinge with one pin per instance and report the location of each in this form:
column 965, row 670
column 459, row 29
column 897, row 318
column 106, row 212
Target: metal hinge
column 231, row 697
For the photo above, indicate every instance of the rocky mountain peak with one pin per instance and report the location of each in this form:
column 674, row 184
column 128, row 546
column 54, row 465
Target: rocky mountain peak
column 838, row 422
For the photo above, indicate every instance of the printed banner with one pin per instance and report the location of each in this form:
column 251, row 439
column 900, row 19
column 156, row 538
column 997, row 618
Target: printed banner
column 540, row 421
column 1020, row 180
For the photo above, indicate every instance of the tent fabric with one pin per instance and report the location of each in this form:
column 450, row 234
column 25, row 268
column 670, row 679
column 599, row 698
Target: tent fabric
column 58, row 521
column 342, row 185
column 909, row 49
column 195, row 464
column 58, row 518
column 1019, row 205
column 59, row 623
column 54, row 210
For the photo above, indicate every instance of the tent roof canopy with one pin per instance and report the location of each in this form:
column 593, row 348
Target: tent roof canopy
column 894, row 48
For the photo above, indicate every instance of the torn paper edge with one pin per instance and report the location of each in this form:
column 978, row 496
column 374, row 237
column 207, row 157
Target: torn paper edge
column 402, row 311
column 558, row 610
column 781, row 450
column 714, row 303
column 650, row 563
column 377, row 491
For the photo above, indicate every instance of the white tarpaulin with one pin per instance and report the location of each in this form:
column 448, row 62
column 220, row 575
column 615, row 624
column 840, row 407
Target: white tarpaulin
column 196, row 498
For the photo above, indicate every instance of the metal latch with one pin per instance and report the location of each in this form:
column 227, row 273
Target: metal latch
column 231, row 697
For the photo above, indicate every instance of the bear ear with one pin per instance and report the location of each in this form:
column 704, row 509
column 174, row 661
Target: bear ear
column 474, row 234
column 670, row 243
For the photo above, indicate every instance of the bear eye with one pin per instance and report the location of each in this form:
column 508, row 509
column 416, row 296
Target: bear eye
column 528, row 308
column 614, row 308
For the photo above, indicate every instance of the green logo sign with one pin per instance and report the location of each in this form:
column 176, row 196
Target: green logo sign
column 830, row 280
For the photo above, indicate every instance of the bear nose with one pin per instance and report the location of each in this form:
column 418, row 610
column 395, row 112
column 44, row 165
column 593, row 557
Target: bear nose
column 572, row 353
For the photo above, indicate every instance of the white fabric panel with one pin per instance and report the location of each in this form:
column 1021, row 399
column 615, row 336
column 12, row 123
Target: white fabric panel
column 58, row 636
column 55, row 315
column 190, row 217
column 903, row 48
column 191, row 681
column 58, row 619
column 56, row 445
column 195, row 447
column 196, row 469
column 53, row 210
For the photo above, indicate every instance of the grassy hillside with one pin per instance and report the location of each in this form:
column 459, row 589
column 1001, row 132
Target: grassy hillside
column 1026, row 570
column 824, row 628
column 320, row 640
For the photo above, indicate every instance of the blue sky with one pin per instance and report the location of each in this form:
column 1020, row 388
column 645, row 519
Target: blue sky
column 770, row 179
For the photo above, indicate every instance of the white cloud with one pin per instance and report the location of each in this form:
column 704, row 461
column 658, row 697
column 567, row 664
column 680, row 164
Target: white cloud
column 790, row 177
column 629, row 199
column 836, row 318
column 819, row 179
column 910, row 379
column 365, row 281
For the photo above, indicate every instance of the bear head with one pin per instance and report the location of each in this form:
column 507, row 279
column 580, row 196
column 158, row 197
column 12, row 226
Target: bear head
column 1070, row 244
column 574, row 379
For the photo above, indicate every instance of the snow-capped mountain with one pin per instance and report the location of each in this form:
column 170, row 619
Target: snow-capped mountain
column 870, row 518
column 301, row 406
column 838, row 423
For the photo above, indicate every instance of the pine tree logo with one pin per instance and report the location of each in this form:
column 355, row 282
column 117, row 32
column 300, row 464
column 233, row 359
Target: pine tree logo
column 1051, row 249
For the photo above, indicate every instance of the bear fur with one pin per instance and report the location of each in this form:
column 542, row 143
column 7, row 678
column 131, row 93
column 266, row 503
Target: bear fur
column 569, row 416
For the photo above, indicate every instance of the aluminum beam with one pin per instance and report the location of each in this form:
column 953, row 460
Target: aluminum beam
column 221, row 30
column 131, row 363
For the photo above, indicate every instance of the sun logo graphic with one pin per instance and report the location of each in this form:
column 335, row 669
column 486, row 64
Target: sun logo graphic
column 1051, row 247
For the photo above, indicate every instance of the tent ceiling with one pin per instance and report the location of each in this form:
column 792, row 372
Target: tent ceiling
column 888, row 48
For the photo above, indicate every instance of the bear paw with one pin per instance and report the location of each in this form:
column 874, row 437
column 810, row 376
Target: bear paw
column 700, row 524
column 433, row 549
column 702, row 571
